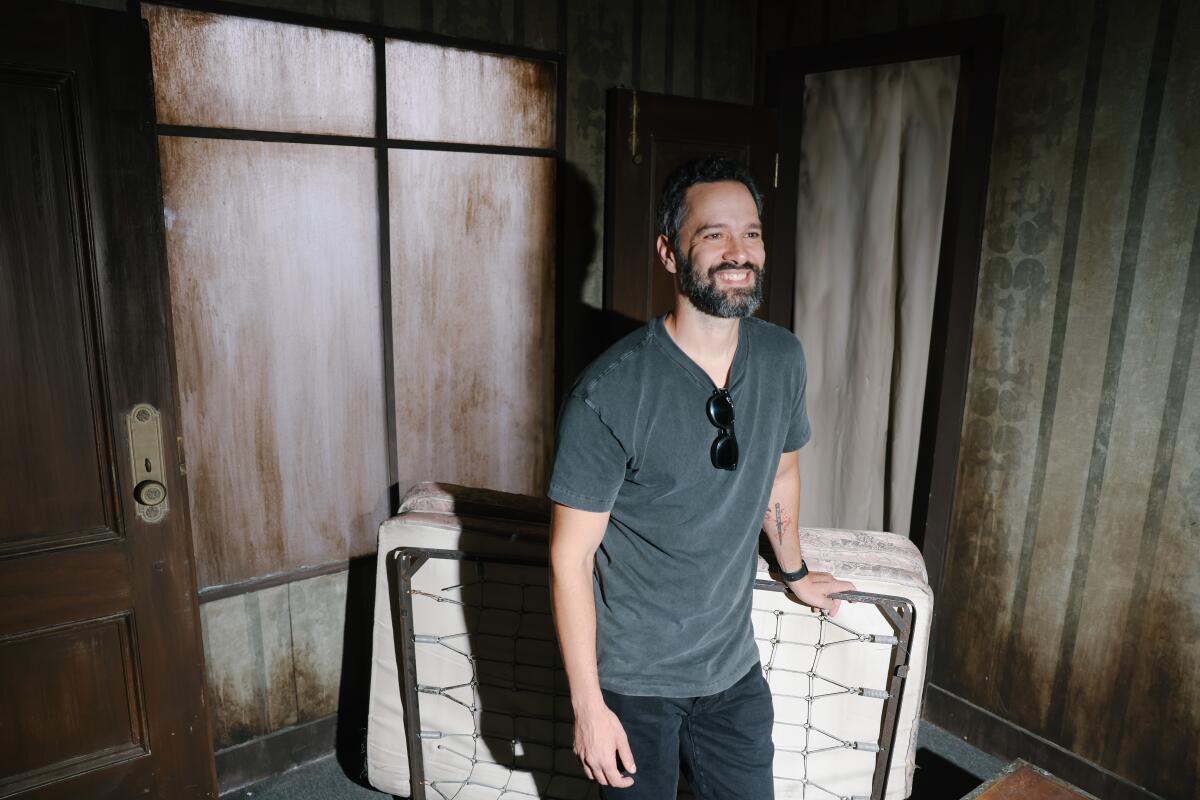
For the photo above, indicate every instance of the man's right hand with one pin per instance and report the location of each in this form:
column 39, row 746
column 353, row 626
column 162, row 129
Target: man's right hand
column 599, row 742
column 599, row 738
column 815, row 588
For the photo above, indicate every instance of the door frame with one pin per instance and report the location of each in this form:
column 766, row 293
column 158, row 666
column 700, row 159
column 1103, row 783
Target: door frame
column 977, row 43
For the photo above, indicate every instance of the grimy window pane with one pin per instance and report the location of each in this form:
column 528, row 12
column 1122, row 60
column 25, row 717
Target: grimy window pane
column 232, row 72
column 273, row 251
column 447, row 95
column 473, row 317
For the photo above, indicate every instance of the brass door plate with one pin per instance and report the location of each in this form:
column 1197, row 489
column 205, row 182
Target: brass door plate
column 146, row 453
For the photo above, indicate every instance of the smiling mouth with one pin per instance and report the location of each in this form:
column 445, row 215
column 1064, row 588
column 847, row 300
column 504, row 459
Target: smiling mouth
column 734, row 276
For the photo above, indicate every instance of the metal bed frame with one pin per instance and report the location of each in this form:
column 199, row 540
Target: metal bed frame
column 404, row 562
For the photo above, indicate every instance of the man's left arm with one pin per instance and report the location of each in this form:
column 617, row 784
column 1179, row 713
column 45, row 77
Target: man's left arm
column 779, row 523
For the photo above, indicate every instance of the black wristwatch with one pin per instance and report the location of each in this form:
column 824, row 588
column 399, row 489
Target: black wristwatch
column 798, row 575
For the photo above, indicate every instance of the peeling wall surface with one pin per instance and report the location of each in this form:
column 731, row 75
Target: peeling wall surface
column 511, row 100
column 279, row 306
column 253, row 74
column 275, row 293
column 1071, row 597
column 274, row 252
column 235, row 72
column 473, row 318
column 690, row 48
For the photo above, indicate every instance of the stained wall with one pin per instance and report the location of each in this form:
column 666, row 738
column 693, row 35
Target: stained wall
column 691, row 48
column 276, row 655
column 702, row 48
column 1071, row 600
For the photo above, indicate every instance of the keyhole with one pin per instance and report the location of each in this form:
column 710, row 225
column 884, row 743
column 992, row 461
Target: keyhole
column 148, row 465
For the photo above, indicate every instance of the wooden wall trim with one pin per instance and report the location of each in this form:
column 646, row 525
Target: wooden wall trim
column 274, row 579
column 1005, row 740
column 250, row 762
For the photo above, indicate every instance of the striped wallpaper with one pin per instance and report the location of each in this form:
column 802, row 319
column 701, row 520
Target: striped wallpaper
column 1071, row 600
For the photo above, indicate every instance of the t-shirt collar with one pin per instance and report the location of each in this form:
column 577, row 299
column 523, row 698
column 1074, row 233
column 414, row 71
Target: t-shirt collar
column 736, row 370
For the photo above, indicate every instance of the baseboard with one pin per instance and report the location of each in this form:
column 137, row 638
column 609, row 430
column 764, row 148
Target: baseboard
column 1001, row 738
column 258, row 759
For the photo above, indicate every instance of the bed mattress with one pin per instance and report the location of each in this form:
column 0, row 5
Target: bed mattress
column 468, row 590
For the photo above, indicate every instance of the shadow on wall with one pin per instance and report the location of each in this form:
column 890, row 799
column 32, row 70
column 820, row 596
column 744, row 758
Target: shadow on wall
column 586, row 331
column 355, row 687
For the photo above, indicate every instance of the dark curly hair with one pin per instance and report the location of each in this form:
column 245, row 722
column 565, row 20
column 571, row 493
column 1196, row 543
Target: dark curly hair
column 672, row 205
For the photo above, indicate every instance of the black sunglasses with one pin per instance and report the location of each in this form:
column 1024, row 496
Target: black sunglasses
column 724, row 450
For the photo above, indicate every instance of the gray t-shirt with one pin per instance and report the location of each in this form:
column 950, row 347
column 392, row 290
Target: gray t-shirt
column 674, row 573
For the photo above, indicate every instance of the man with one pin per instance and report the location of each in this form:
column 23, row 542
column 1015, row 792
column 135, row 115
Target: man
column 670, row 447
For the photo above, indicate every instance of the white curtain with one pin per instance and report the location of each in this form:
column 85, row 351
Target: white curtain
column 875, row 154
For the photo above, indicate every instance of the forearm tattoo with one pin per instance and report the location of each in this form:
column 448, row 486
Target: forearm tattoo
column 779, row 521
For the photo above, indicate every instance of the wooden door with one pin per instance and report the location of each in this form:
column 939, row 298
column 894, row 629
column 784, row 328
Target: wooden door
column 649, row 135
column 101, row 671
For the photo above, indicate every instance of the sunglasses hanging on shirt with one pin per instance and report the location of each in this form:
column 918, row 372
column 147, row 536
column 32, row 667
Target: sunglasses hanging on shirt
column 724, row 450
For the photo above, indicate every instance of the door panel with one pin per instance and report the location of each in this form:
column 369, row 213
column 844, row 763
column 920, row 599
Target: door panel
column 101, row 674
column 649, row 135
column 72, row 583
column 47, row 326
column 82, row 671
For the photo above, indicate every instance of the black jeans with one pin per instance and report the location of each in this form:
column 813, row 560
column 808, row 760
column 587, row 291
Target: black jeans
column 722, row 741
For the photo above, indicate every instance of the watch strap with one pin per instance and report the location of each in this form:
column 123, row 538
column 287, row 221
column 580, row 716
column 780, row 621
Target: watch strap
column 797, row 575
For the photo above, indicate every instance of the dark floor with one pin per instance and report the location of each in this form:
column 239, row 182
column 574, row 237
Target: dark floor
column 322, row 779
column 947, row 769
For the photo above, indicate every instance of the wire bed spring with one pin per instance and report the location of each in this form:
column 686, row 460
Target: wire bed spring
column 542, row 624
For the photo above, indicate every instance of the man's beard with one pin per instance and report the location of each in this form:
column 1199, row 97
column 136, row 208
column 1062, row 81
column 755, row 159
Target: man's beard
column 731, row 303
